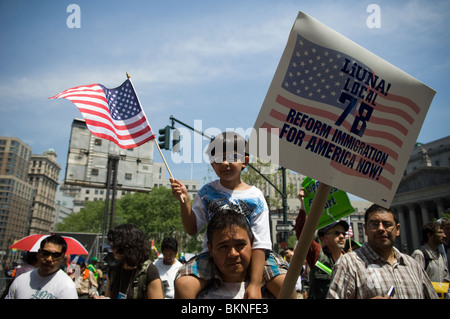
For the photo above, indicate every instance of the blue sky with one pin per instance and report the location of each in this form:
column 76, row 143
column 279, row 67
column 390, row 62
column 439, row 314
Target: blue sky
column 196, row 60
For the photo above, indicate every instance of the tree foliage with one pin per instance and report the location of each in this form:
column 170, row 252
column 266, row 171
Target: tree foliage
column 272, row 173
column 156, row 213
column 88, row 220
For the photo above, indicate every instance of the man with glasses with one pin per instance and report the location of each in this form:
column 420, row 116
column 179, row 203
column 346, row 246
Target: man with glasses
column 48, row 281
column 371, row 271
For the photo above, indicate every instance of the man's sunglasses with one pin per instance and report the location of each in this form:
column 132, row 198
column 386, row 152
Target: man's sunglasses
column 336, row 233
column 46, row 253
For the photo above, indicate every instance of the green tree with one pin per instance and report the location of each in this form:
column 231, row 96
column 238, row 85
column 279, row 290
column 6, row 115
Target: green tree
column 252, row 177
column 157, row 213
column 88, row 220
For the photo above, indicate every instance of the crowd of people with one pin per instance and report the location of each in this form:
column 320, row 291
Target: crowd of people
column 237, row 260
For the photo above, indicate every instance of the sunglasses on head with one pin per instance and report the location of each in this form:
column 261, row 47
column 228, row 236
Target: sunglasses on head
column 55, row 255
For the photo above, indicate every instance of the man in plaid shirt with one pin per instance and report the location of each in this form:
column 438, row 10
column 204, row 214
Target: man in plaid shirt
column 370, row 271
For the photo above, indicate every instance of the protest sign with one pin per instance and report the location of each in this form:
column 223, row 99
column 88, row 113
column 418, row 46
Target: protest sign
column 341, row 114
column 336, row 207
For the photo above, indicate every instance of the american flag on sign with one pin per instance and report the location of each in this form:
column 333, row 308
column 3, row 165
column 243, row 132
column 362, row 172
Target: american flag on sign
column 112, row 114
column 313, row 84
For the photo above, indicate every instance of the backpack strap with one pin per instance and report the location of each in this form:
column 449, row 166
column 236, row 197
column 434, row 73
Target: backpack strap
column 426, row 255
column 140, row 282
column 139, row 285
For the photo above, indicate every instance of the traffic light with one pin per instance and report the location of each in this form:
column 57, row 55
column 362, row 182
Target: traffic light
column 176, row 141
column 164, row 138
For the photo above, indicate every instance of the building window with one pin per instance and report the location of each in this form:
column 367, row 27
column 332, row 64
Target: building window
column 94, row 171
column 98, row 141
column 128, row 175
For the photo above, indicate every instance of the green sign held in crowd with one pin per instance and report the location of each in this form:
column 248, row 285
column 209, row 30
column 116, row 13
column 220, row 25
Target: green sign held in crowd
column 337, row 206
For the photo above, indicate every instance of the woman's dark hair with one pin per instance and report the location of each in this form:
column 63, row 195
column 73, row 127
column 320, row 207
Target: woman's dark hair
column 130, row 243
column 226, row 218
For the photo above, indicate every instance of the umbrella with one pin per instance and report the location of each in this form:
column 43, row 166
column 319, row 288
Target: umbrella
column 33, row 243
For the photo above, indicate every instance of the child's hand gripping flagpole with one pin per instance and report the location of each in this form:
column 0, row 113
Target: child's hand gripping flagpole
column 304, row 242
column 156, row 143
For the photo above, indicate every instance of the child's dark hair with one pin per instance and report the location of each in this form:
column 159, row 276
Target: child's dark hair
column 225, row 218
column 225, row 143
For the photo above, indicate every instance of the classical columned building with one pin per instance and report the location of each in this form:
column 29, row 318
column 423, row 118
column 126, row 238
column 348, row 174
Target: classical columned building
column 424, row 192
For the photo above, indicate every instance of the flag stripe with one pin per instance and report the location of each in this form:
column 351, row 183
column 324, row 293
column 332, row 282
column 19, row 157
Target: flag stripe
column 394, row 111
column 281, row 117
column 333, row 117
column 121, row 135
column 391, row 123
column 325, row 114
column 118, row 127
column 382, row 180
column 403, row 100
column 352, row 172
column 349, row 233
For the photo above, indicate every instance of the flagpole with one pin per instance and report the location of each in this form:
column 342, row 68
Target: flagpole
column 349, row 237
column 304, row 242
column 157, row 145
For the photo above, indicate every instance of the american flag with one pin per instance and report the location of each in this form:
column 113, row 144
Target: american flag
column 112, row 114
column 154, row 248
column 349, row 233
column 313, row 84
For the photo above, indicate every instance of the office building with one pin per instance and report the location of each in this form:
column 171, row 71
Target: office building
column 43, row 174
column 16, row 193
column 90, row 159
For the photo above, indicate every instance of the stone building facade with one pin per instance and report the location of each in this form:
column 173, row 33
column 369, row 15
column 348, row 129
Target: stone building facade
column 424, row 192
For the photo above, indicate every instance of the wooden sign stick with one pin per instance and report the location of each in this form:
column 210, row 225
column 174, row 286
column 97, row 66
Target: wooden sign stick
column 304, row 242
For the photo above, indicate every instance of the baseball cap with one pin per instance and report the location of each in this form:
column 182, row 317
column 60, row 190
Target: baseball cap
column 325, row 229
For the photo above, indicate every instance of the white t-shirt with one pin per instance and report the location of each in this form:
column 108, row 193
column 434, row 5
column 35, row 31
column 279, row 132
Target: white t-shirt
column 250, row 201
column 230, row 290
column 167, row 274
column 227, row 290
column 31, row 285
